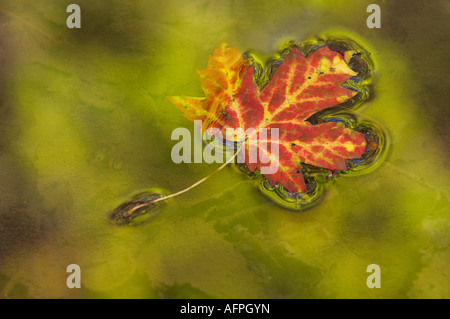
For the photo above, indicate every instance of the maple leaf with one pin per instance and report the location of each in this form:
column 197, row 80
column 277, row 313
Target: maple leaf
column 220, row 82
column 299, row 88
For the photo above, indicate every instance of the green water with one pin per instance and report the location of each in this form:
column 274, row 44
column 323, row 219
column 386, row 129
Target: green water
column 85, row 124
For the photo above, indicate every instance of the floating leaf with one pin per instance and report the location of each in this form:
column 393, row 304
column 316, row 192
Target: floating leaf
column 299, row 88
column 220, row 81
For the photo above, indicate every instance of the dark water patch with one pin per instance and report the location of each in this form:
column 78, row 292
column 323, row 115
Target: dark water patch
column 138, row 209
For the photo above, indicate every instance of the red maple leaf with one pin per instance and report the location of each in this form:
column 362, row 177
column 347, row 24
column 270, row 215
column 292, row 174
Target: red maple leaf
column 299, row 88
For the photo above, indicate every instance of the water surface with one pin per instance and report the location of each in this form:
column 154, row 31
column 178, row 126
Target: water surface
column 85, row 124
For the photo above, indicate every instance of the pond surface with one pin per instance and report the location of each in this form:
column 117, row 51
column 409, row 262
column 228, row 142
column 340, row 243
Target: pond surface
column 85, row 124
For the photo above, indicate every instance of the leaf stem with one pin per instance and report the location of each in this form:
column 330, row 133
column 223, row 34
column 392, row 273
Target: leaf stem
column 128, row 213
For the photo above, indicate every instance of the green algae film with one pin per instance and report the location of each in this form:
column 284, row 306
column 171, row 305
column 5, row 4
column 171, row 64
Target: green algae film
column 85, row 123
